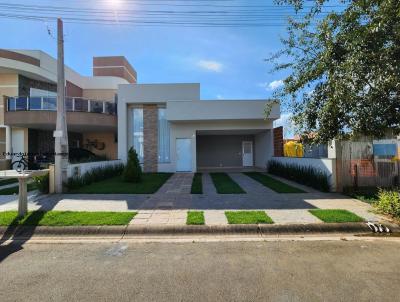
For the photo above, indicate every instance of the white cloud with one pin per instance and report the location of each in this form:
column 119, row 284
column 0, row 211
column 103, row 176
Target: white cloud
column 272, row 85
column 219, row 97
column 209, row 65
column 275, row 84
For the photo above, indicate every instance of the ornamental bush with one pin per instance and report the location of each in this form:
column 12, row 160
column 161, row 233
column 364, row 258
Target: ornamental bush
column 133, row 170
column 389, row 202
column 308, row 176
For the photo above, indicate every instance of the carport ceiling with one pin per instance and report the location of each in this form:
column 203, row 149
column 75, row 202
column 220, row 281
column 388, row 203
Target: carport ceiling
column 231, row 132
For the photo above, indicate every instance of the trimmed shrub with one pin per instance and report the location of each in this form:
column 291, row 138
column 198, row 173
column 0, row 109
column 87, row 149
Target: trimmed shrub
column 388, row 202
column 133, row 170
column 42, row 183
column 97, row 174
column 308, row 176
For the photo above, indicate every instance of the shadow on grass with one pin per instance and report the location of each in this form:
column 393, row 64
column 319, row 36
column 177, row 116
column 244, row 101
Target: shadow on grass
column 18, row 234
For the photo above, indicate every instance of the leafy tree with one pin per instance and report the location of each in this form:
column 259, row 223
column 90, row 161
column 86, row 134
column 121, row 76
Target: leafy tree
column 133, row 170
column 344, row 68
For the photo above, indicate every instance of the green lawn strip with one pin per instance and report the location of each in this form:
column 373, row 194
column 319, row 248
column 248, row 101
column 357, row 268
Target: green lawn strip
column 195, row 218
column 336, row 215
column 15, row 190
column 150, row 183
column 66, row 218
column 247, row 217
column 197, row 184
column 273, row 183
column 8, row 181
column 224, row 184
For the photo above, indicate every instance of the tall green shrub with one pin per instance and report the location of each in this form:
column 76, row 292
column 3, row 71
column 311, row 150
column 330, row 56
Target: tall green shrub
column 133, row 170
column 389, row 202
column 308, row 176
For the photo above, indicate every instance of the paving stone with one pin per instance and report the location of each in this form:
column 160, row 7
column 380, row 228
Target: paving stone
column 292, row 216
column 214, row 217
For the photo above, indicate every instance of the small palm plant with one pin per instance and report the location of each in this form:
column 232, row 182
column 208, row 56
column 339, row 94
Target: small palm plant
column 133, row 170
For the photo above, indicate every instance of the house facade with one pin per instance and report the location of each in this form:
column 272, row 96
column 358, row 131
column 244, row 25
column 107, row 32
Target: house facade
column 169, row 125
column 28, row 89
column 173, row 130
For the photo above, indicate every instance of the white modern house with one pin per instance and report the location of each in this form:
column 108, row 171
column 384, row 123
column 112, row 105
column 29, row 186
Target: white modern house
column 173, row 130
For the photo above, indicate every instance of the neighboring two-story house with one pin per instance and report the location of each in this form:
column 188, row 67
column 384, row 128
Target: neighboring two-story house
column 28, row 89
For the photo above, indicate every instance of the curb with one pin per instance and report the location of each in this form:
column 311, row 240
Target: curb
column 138, row 230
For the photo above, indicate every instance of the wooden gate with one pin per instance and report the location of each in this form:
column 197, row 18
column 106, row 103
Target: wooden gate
column 360, row 167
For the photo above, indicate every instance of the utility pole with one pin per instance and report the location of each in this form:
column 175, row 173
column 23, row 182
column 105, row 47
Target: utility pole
column 61, row 134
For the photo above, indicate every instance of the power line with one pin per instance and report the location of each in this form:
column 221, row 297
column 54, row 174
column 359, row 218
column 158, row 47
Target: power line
column 208, row 17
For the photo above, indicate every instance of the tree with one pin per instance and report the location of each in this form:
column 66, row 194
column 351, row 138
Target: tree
column 133, row 170
column 344, row 68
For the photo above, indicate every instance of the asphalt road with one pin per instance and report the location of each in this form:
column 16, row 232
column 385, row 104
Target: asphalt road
column 223, row 271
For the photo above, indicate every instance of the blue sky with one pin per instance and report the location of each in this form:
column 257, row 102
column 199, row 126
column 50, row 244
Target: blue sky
column 228, row 62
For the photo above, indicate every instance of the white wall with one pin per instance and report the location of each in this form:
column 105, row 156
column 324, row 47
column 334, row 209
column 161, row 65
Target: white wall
column 326, row 165
column 264, row 149
column 82, row 168
column 220, row 110
column 157, row 93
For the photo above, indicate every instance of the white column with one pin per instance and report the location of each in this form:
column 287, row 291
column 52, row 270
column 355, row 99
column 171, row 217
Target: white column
column 8, row 142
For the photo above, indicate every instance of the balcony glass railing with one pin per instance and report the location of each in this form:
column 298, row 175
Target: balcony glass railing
column 75, row 104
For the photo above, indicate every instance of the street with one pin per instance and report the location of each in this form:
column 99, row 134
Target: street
column 207, row 271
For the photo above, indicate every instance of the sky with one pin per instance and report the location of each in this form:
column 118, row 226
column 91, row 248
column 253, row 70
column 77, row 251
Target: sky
column 228, row 62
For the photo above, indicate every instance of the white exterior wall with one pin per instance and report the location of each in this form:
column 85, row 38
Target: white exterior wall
column 82, row 168
column 264, row 148
column 326, row 165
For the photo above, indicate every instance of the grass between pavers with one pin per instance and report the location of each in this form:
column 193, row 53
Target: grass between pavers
column 224, row 184
column 150, row 184
column 272, row 183
column 336, row 215
column 15, row 190
column 247, row 217
column 195, row 218
column 7, row 181
column 66, row 218
column 197, row 184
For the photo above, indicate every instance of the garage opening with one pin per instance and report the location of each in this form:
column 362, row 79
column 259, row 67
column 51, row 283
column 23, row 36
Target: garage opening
column 229, row 149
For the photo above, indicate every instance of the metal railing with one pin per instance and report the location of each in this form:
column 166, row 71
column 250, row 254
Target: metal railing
column 73, row 104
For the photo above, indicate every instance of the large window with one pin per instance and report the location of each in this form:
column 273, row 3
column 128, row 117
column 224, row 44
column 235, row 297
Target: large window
column 138, row 132
column 163, row 137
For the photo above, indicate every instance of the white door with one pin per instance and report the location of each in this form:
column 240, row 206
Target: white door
column 247, row 153
column 183, row 155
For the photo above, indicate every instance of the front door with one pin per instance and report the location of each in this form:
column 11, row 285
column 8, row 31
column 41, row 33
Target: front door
column 183, row 155
column 247, row 153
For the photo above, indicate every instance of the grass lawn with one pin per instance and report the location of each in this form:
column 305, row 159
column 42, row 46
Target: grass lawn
column 336, row 215
column 7, row 181
column 247, row 217
column 273, row 183
column 66, row 218
column 15, row 190
column 150, row 183
column 197, row 184
column 225, row 185
column 195, row 217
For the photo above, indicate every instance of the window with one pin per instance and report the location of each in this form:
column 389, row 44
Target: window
column 137, row 122
column 163, row 137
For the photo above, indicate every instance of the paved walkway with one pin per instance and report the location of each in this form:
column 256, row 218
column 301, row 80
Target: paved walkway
column 170, row 204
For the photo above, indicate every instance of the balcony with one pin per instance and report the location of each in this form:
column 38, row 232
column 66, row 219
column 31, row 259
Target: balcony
column 40, row 113
column 50, row 104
